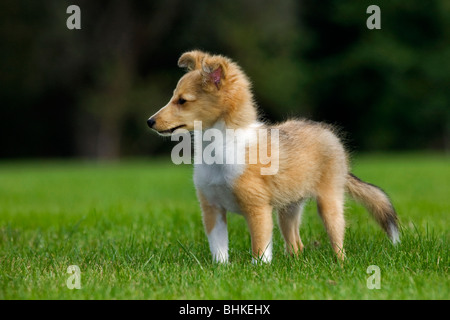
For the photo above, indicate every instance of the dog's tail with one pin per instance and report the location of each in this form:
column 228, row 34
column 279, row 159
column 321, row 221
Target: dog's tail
column 377, row 203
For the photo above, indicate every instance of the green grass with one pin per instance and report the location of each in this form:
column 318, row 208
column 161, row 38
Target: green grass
column 135, row 230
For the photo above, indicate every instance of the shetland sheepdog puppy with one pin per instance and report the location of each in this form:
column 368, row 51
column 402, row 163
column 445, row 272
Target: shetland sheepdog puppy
column 309, row 160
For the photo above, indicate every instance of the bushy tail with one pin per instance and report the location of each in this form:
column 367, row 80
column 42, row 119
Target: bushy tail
column 377, row 203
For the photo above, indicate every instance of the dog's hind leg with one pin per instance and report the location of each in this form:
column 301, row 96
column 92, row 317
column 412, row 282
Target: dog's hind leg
column 331, row 209
column 289, row 219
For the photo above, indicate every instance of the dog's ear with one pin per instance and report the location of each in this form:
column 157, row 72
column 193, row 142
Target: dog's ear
column 191, row 60
column 214, row 70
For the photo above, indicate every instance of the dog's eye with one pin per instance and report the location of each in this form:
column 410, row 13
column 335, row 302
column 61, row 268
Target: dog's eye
column 181, row 101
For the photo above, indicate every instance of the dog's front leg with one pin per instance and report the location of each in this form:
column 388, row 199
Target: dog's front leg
column 260, row 224
column 215, row 223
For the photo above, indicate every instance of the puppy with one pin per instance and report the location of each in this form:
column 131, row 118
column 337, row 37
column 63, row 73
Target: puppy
column 307, row 160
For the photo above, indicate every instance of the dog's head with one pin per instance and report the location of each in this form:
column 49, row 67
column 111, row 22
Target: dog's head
column 204, row 93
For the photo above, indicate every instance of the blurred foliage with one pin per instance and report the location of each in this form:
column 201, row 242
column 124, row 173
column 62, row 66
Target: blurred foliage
column 89, row 92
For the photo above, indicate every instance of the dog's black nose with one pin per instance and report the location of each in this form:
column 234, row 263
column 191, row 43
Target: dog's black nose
column 151, row 122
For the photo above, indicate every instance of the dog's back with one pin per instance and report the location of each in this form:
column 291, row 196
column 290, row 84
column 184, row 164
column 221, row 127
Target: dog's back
column 310, row 154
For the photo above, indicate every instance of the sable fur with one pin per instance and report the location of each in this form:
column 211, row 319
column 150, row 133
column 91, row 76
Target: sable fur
column 312, row 163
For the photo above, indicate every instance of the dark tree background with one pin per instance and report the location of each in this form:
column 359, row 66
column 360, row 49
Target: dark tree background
column 89, row 92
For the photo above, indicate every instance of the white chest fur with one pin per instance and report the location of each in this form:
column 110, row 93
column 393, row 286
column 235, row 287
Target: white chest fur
column 216, row 180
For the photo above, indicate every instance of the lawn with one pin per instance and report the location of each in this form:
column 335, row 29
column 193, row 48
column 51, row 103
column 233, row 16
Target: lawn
column 134, row 230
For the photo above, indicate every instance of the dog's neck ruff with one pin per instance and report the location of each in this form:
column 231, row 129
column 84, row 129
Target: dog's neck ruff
column 216, row 180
